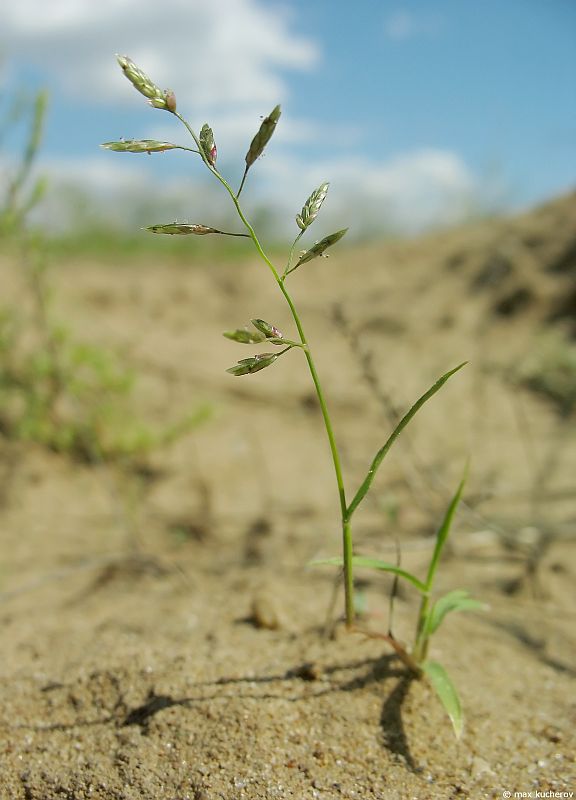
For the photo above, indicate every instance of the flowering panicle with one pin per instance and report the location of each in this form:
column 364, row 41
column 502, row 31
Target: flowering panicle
column 208, row 145
column 319, row 248
column 140, row 146
column 247, row 366
column 187, row 228
column 311, row 207
column 139, row 79
column 263, row 136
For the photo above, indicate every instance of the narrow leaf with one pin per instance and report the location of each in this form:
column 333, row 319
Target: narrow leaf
column 245, row 336
column 446, row 692
column 311, row 207
column 458, row 600
column 319, row 248
column 379, row 457
column 444, row 530
column 373, row 563
column 140, row 146
column 263, row 136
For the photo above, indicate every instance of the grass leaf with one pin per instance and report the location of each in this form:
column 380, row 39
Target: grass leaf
column 446, row 692
column 457, row 600
column 373, row 563
column 379, row 457
column 444, row 530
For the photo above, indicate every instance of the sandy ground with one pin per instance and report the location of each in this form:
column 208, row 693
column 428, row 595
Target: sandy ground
column 162, row 635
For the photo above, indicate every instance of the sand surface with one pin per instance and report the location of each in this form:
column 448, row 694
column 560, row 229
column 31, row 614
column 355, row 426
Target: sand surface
column 162, row 635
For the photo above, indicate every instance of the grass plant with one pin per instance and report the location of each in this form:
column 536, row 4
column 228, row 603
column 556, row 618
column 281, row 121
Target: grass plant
column 67, row 395
column 265, row 333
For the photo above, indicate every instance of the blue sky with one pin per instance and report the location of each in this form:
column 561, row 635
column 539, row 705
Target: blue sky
column 418, row 112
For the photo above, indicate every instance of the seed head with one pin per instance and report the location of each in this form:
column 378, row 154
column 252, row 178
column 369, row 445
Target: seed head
column 182, row 229
column 141, row 81
column 208, row 145
column 319, row 248
column 139, row 146
column 249, row 365
column 170, row 99
column 269, row 331
column 263, row 136
column 244, row 336
column 311, row 207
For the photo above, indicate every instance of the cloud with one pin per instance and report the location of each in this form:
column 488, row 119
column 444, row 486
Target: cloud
column 401, row 25
column 403, row 195
column 222, row 53
column 228, row 62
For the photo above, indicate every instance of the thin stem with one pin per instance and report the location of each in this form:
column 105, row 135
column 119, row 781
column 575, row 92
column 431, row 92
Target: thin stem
column 420, row 640
column 243, row 181
column 289, row 264
column 346, row 532
column 227, row 233
column 188, row 149
column 196, row 140
column 404, row 656
column 274, row 340
column 347, row 554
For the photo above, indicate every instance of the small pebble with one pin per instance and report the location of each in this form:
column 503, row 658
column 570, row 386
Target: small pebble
column 264, row 613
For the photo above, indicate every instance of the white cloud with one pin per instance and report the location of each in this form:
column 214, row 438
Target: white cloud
column 406, row 194
column 226, row 60
column 401, row 25
column 214, row 54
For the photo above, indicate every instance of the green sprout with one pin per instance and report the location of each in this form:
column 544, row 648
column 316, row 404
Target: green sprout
column 59, row 392
column 430, row 615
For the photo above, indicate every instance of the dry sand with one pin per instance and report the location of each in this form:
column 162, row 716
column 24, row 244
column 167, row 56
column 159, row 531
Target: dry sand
column 162, row 636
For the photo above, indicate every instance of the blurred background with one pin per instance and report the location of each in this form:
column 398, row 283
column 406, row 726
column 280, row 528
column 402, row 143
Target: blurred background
column 420, row 114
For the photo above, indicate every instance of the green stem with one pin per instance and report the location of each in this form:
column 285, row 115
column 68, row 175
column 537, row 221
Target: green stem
column 243, row 181
column 289, row 264
column 420, row 640
column 346, row 531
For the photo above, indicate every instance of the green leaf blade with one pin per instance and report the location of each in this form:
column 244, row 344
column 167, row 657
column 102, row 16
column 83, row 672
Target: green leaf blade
column 444, row 530
column 457, row 600
column 373, row 563
column 447, row 694
column 379, row 457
